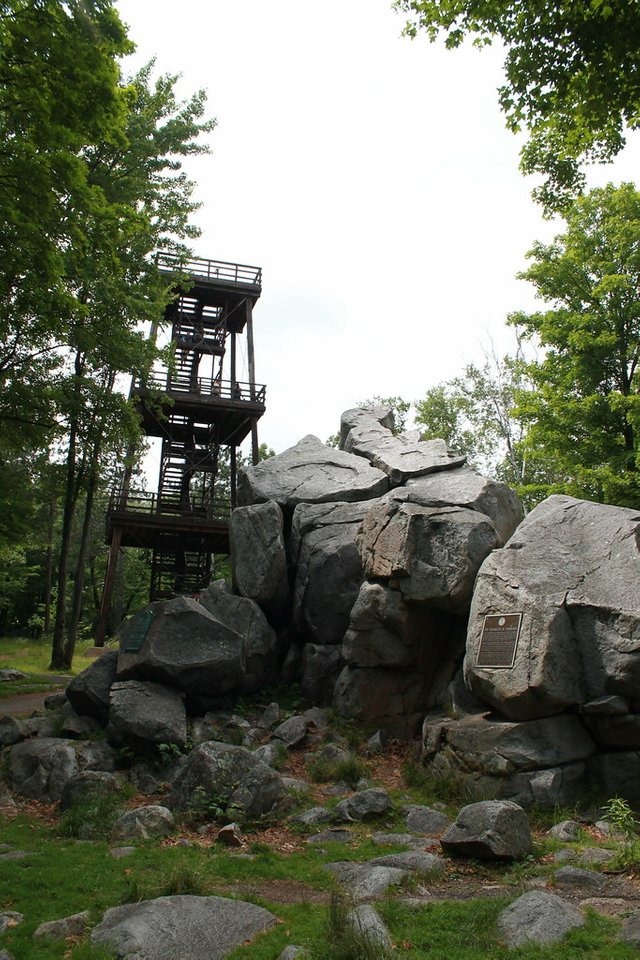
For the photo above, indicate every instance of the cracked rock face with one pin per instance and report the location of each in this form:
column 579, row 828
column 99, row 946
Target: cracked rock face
column 367, row 433
column 571, row 571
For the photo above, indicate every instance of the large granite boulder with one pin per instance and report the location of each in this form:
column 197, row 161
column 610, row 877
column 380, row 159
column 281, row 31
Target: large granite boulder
column 88, row 693
column 234, row 776
column 172, row 928
column 258, row 556
column 433, row 553
column 363, row 431
column 569, row 572
column 144, row 713
column 324, row 547
column 310, row 472
column 181, row 643
column 466, row 488
column 245, row 618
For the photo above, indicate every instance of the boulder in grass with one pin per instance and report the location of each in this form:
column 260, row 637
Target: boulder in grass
column 73, row 926
column 538, row 917
column 366, row 805
column 239, row 780
column 142, row 823
column 40, row 768
column 172, row 928
column 489, row 830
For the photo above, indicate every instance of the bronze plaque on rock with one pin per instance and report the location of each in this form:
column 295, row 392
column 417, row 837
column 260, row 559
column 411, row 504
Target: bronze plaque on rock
column 139, row 632
column 499, row 640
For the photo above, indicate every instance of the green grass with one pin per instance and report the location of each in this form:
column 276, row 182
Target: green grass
column 64, row 877
column 33, row 657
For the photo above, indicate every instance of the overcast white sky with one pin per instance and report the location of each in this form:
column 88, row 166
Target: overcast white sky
column 372, row 179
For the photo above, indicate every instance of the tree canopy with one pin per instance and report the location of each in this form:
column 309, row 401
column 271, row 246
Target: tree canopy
column 584, row 409
column 572, row 75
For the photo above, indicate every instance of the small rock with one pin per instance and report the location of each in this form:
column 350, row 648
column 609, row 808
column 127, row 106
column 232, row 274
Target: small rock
column 538, row 917
column 367, row 925
column 365, row 881
column 294, row 785
column 377, row 743
column 12, row 730
column 269, row 753
column 143, row 822
column 312, row 816
column 607, row 906
column 332, row 836
column 10, row 674
column 567, row 855
column 630, row 930
column 5, row 955
column 364, row 806
column 119, row 852
column 230, row 835
column 10, row 918
column 337, row 789
column 291, row 952
column 292, row 731
column 414, row 860
column 566, row 831
column 596, row 856
column 73, row 926
column 318, row 716
column 425, row 820
column 573, row 878
column 15, row 855
column 270, row 717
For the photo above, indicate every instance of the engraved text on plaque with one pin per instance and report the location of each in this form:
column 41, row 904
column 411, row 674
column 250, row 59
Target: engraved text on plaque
column 499, row 640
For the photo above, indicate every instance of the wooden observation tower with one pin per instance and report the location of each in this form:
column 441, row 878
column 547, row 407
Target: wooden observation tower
column 198, row 407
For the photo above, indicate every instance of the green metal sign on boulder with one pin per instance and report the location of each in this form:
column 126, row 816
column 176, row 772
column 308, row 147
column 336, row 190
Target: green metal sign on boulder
column 139, row 631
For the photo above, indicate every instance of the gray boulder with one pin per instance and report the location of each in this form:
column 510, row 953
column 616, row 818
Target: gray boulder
column 363, row 431
column 142, row 823
column 566, row 831
column 616, row 774
column 500, row 748
column 144, row 713
column 367, row 925
column 538, row 917
column 12, row 730
column 584, row 881
column 73, row 926
column 40, row 768
column 425, row 820
column 489, row 830
column 320, row 669
column 87, row 785
column 258, row 555
column 233, row 775
column 433, row 553
column 88, row 692
column 171, row 928
column 425, row 864
column 244, row 616
column 181, row 643
column 465, row 488
column 366, row 881
column 569, row 571
column 366, row 805
column 291, row 732
column 328, row 568
column 310, row 472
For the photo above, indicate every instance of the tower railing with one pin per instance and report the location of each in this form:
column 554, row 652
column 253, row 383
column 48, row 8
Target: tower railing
column 212, row 270
column 183, row 382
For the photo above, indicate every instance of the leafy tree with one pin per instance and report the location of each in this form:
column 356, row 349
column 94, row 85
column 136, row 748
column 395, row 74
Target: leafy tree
column 572, row 75
column 584, row 410
column 475, row 414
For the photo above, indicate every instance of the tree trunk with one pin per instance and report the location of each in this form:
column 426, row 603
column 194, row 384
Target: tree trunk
column 49, row 568
column 78, row 585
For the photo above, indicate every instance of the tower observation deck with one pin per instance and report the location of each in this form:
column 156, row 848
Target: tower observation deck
column 202, row 407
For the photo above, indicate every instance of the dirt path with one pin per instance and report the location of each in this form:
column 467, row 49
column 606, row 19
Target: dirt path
column 23, row 704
